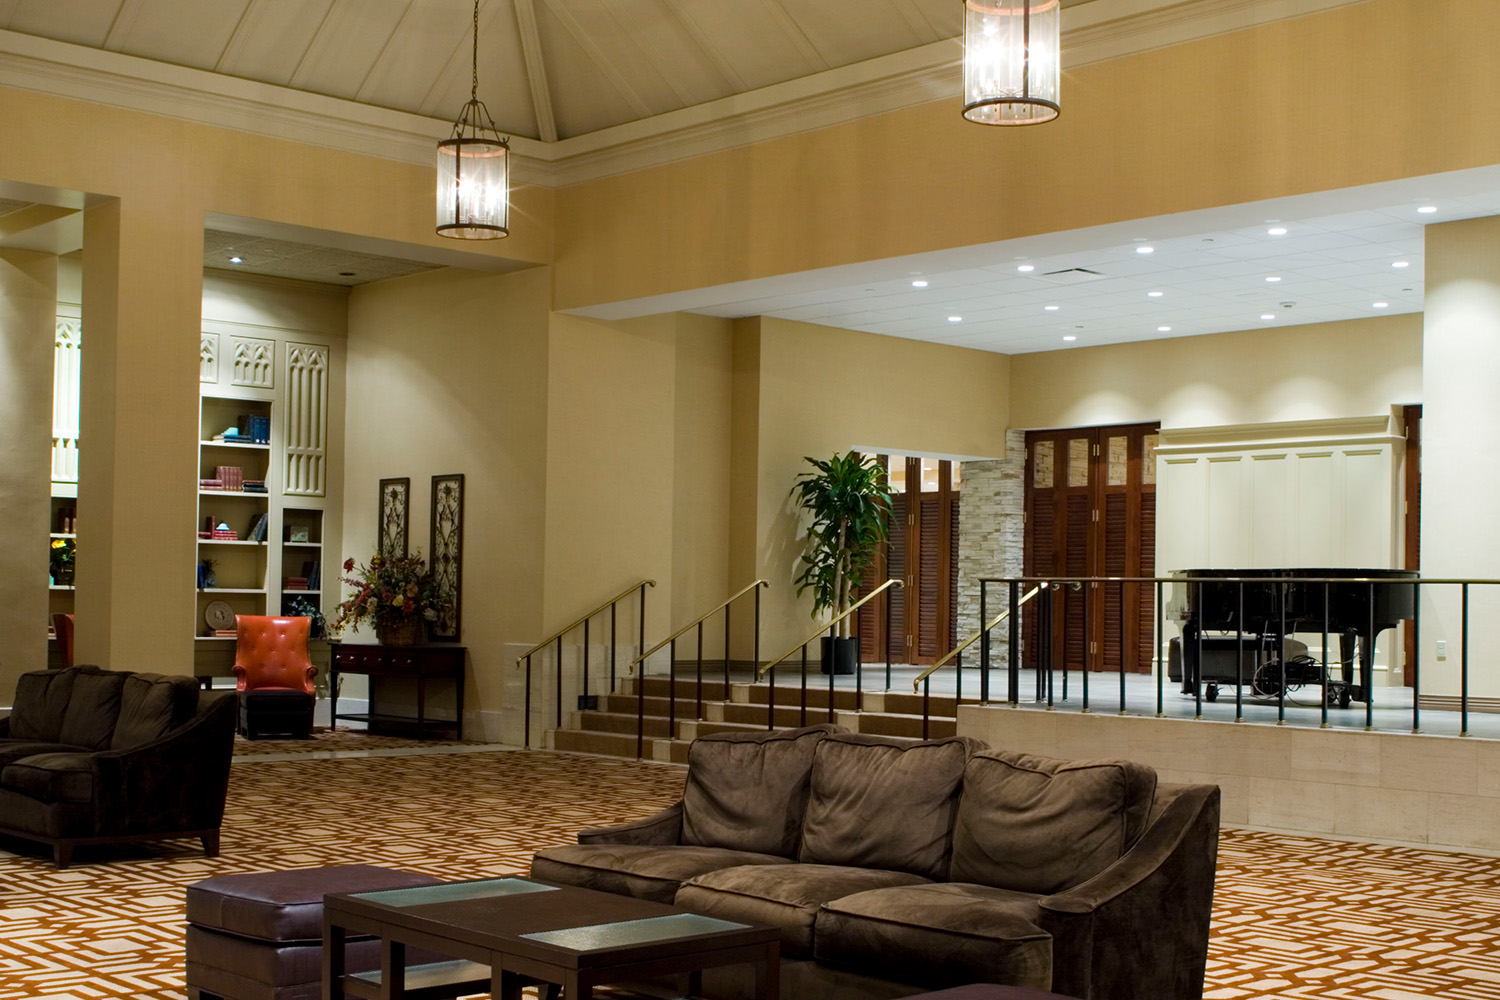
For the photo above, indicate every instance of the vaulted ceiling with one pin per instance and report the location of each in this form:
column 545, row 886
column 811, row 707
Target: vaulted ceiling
column 548, row 69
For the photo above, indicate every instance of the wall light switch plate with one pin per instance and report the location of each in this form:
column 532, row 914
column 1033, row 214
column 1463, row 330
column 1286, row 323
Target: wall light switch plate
column 1442, row 649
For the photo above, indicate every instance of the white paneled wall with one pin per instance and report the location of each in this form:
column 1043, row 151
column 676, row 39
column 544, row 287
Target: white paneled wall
column 1265, row 496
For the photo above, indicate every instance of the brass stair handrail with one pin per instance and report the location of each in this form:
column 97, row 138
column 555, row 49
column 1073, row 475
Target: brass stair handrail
column 916, row 685
column 696, row 622
column 824, row 628
column 581, row 619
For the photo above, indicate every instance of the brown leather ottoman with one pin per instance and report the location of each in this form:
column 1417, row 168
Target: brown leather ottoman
column 989, row 991
column 259, row 936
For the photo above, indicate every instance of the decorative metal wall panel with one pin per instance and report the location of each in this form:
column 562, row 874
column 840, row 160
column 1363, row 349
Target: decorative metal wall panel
column 254, row 361
column 306, row 399
column 208, row 358
column 395, row 505
column 66, row 387
column 447, row 550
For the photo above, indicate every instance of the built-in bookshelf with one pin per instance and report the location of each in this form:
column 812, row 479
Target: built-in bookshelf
column 302, row 564
column 234, row 507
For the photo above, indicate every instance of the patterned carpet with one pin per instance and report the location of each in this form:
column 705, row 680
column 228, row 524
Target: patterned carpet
column 1295, row 917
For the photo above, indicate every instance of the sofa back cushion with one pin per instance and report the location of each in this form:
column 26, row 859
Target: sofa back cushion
column 746, row 791
column 1036, row 824
column 41, row 700
column 152, row 705
column 881, row 803
column 93, row 707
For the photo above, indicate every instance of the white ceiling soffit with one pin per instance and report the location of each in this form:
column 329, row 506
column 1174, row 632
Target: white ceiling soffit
column 1092, row 31
column 1311, row 258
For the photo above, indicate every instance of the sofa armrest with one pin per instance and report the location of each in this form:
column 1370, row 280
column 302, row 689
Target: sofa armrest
column 176, row 782
column 5, row 728
column 659, row 829
column 1140, row 927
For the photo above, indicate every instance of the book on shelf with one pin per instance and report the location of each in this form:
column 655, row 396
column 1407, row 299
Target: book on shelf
column 294, row 583
column 226, row 535
column 313, row 573
column 254, row 428
column 254, row 486
column 210, row 484
column 257, row 532
column 232, row 476
column 225, row 633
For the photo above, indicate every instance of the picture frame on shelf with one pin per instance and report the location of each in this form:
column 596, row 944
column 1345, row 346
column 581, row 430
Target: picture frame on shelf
column 446, row 548
column 298, row 533
column 395, row 507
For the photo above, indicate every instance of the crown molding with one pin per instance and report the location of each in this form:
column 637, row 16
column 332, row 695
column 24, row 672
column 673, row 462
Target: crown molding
column 1092, row 32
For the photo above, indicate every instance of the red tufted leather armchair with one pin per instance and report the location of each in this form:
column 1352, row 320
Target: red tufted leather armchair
column 275, row 676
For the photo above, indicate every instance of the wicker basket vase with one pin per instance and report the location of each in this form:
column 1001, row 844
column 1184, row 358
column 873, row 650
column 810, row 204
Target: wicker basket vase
column 406, row 631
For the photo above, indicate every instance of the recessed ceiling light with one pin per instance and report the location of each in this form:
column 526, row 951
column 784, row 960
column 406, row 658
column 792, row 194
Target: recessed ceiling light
column 1273, row 278
column 236, row 260
column 1164, row 329
column 1070, row 337
column 1276, row 231
column 1155, row 295
column 1401, row 263
column 1051, row 309
column 1267, row 315
column 1145, row 249
column 1381, row 305
column 1024, row 268
column 955, row 319
column 919, row 284
column 346, row 274
column 1427, row 209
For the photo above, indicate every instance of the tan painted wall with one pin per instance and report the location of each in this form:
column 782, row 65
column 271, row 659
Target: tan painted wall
column 28, row 323
column 142, row 297
column 1460, row 479
column 448, row 373
column 1301, row 105
column 1354, row 368
column 823, row 390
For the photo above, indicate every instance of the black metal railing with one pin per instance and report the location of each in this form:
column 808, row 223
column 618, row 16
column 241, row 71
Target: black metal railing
column 585, row 623
column 831, row 629
column 670, row 644
column 922, row 683
column 1268, row 674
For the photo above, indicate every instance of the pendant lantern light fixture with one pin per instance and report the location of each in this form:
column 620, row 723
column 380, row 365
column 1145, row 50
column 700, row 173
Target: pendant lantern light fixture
column 473, row 170
column 1011, row 61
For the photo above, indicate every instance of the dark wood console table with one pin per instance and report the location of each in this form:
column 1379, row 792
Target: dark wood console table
column 421, row 663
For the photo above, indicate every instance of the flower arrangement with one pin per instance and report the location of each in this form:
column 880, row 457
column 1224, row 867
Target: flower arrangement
column 391, row 593
column 61, row 559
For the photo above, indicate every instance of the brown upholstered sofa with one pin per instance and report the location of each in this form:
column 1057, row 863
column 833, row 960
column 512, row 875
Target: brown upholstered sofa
column 91, row 756
column 893, row 868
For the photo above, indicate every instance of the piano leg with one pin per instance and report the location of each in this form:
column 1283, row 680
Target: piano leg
column 1352, row 645
column 1190, row 665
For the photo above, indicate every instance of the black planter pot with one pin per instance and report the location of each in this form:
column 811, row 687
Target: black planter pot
column 841, row 653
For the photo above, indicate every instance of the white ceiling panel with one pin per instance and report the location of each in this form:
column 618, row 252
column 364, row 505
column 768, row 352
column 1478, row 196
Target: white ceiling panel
column 83, row 22
column 346, row 46
column 845, row 33
column 271, row 38
column 185, row 32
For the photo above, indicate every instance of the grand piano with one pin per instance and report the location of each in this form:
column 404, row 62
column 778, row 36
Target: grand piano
column 1273, row 604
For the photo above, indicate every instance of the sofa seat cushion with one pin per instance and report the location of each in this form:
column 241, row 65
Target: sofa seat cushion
column 639, row 870
column 1042, row 825
column 955, row 932
column 14, row 750
column 52, row 777
column 285, row 906
column 876, row 802
column 784, row 896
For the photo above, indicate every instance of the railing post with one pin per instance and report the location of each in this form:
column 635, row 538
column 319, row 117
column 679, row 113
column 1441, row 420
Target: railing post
column 926, row 704
column 831, row 666
column 585, row 702
column 727, row 609
column 802, row 715
column 1367, row 665
column 527, row 739
column 887, row 599
column 1281, row 659
column 1161, row 659
column 1197, row 659
column 1088, row 651
column 984, row 646
column 699, row 700
column 1327, row 614
column 672, row 690
column 1013, row 657
column 1239, row 654
column 1416, row 659
column 559, row 682
column 1463, row 665
column 614, row 641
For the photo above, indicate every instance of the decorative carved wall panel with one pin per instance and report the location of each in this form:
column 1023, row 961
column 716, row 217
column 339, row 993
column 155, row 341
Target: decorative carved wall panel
column 66, row 387
column 254, row 361
column 306, row 395
column 208, row 358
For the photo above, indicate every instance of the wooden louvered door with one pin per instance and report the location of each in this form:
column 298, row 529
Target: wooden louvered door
column 1122, row 619
column 922, row 551
column 1091, row 511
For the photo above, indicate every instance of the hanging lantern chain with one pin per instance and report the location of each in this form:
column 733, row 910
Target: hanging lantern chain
column 475, row 117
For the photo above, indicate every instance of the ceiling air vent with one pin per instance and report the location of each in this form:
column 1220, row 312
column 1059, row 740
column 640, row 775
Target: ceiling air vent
column 1071, row 276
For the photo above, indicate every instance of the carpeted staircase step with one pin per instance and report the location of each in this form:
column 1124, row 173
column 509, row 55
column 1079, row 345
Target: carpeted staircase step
column 619, row 722
column 908, row 726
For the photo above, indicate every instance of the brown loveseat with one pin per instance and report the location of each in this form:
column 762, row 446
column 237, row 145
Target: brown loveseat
column 893, row 868
column 91, row 756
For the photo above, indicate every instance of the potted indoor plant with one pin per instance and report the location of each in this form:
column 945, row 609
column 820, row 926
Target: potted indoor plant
column 398, row 596
column 848, row 502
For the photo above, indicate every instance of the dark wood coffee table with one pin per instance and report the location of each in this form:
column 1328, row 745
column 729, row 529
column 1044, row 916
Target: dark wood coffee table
column 506, row 933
